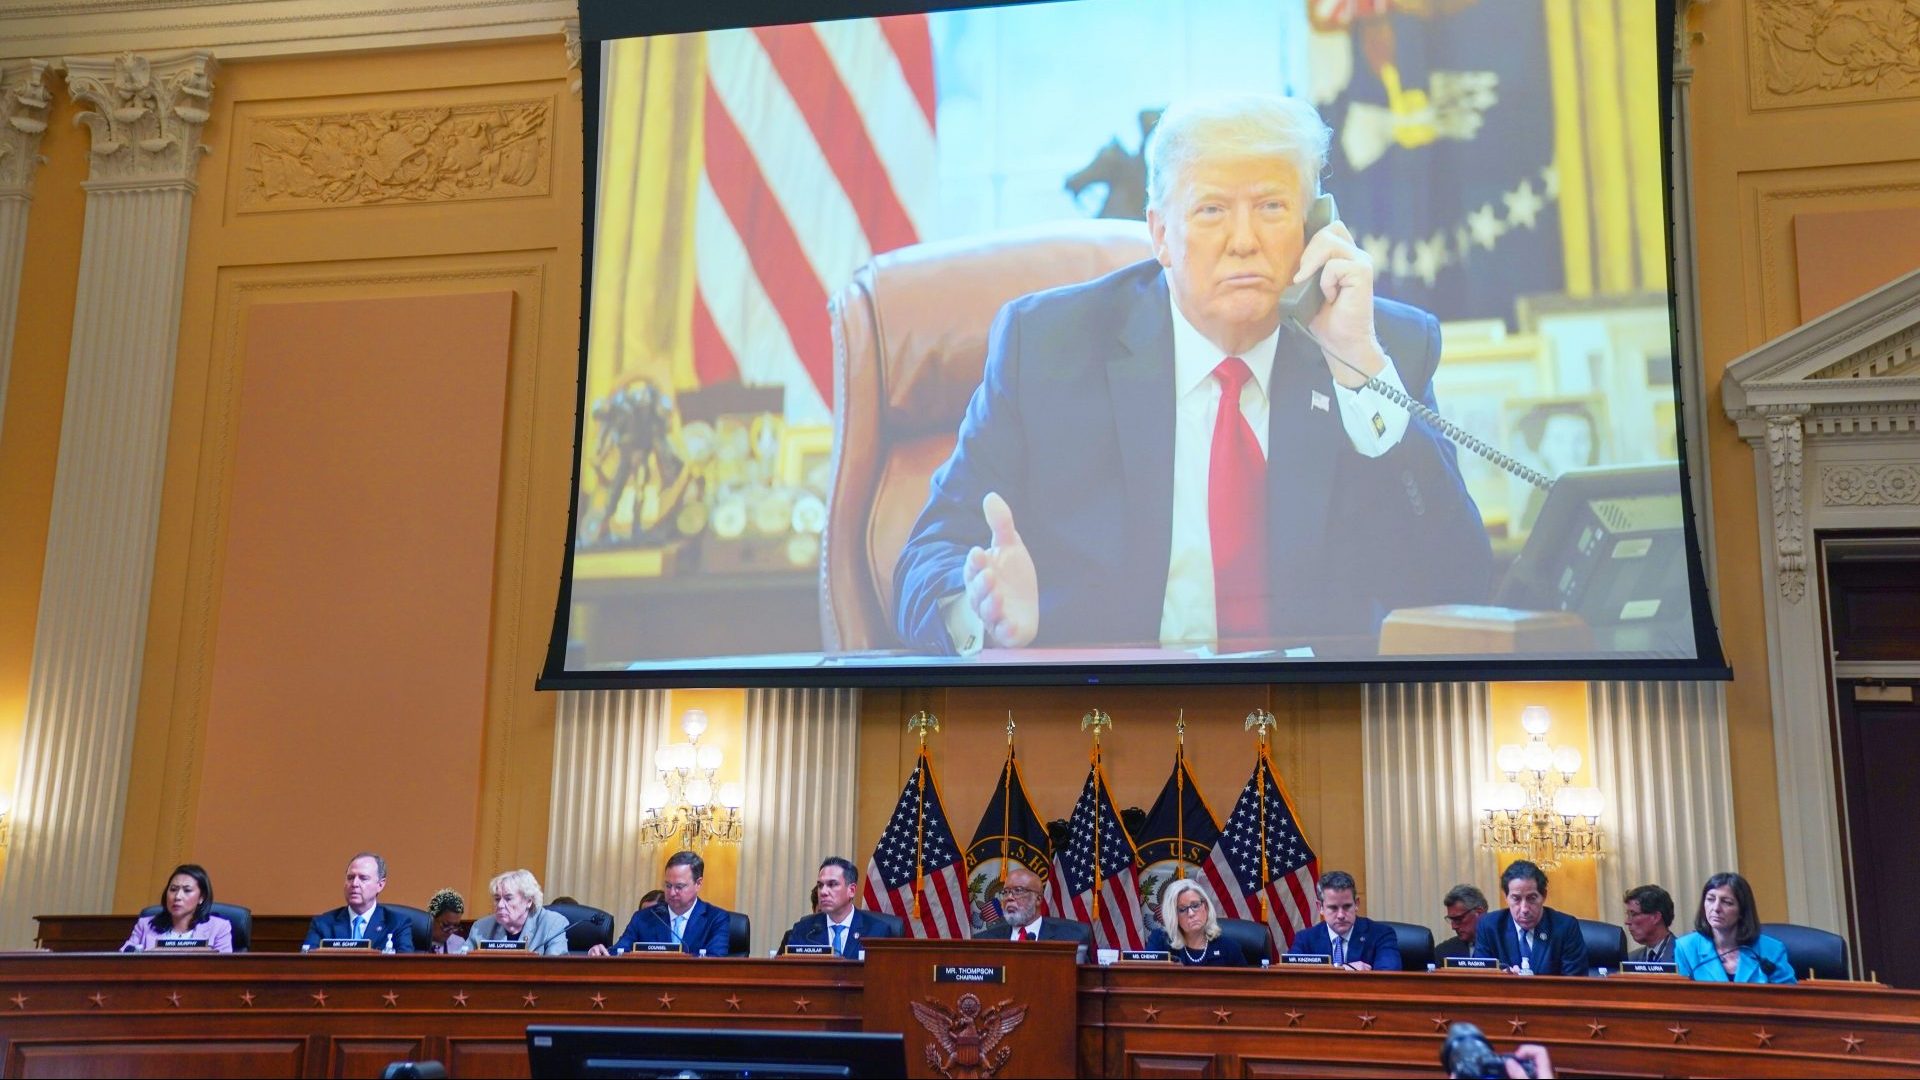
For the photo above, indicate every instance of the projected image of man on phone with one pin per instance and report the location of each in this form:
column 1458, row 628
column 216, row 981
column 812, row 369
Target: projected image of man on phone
column 1163, row 457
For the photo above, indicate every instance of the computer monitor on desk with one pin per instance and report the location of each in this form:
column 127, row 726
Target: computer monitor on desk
column 556, row 1051
column 1609, row 545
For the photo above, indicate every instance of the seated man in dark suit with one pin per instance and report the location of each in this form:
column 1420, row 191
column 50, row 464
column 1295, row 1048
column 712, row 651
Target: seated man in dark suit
column 1353, row 940
column 1530, row 936
column 699, row 929
column 1021, row 901
column 363, row 918
column 1650, row 924
column 1464, row 905
column 839, row 922
column 1187, row 467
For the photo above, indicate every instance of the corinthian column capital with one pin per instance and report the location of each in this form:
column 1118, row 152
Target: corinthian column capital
column 23, row 116
column 146, row 115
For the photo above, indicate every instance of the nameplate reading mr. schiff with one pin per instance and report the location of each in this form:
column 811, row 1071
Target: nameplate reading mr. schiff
column 345, row 943
column 968, row 973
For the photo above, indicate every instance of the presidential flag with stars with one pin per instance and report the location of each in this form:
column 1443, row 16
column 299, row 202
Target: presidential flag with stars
column 1443, row 147
column 915, row 870
column 1263, row 859
column 1096, row 877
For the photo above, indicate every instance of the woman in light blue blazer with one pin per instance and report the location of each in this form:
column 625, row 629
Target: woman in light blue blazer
column 1726, row 944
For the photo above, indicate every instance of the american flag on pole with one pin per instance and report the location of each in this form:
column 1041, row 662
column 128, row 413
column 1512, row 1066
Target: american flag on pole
column 915, row 872
column 1262, row 868
column 819, row 154
column 1096, row 877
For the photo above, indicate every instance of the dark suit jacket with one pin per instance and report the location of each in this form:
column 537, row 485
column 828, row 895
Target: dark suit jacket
column 706, row 929
column 1220, row 952
column 1051, row 929
column 1370, row 943
column 812, row 930
column 1662, row 954
column 1073, row 425
column 1453, row 946
column 338, row 923
column 1558, row 946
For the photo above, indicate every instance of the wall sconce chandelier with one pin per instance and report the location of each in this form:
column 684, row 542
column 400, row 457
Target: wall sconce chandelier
column 684, row 801
column 1538, row 810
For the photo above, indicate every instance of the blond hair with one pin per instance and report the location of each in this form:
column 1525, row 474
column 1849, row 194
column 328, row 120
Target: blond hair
column 519, row 881
column 1233, row 126
column 1170, row 908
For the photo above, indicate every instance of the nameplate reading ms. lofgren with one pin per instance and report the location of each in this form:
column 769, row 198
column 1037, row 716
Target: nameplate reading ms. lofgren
column 968, row 973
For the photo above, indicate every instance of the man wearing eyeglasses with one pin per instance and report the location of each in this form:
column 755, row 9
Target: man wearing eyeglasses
column 1020, row 906
column 699, row 929
column 1354, row 941
column 1464, row 905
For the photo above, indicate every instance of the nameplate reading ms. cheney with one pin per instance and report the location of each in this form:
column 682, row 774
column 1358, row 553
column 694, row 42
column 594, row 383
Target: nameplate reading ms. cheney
column 968, row 973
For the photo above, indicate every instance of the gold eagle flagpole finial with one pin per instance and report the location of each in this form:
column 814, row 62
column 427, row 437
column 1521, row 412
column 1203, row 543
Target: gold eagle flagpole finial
column 1264, row 721
column 1098, row 721
column 922, row 722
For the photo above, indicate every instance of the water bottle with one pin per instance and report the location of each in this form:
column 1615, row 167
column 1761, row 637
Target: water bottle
column 388, row 950
column 703, row 954
column 304, row 947
column 1526, row 965
column 1264, row 962
column 1603, row 973
column 1429, row 967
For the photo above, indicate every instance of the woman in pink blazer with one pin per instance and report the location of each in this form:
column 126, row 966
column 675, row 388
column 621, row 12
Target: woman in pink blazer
column 186, row 914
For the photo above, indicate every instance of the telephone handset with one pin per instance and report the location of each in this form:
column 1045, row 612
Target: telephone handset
column 1301, row 301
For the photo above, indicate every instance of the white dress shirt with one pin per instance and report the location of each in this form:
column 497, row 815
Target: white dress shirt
column 1187, row 616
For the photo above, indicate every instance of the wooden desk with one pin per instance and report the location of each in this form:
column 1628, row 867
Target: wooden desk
column 317, row 1016
column 106, row 933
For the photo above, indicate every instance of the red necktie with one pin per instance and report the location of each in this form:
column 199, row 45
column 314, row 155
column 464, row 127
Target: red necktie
column 1023, row 934
column 1237, row 516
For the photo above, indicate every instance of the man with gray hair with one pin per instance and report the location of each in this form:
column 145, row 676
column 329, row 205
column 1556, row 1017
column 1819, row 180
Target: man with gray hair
column 1193, row 463
column 1464, row 905
column 363, row 918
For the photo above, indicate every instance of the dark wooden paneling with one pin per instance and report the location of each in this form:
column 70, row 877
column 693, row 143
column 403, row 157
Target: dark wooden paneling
column 351, row 1057
column 1872, row 602
column 1170, row 1066
column 1879, row 746
column 158, row 1057
column 487, row 1059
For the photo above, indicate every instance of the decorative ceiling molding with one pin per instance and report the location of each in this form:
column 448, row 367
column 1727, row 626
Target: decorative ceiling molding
column 242, row 28
column 145, row 115
column 1819, row 52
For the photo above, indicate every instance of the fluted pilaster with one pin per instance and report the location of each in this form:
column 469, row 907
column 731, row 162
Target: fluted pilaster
column 145, row 118
column 604, row 742
column 1660, row 754
column 1426, row 752
column 23, row 117
column 802, row 785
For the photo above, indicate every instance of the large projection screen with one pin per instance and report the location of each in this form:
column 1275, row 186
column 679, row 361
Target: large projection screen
column 963, row 342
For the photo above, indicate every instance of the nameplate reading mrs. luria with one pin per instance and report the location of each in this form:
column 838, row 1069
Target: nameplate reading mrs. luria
column 1306, row 960
column 797, row 949
column 968, row 973
column 1471, row 963
column 1648, row 967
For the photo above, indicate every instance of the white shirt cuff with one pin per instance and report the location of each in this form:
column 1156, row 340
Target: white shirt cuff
column 1374, row 424
column 964, row 627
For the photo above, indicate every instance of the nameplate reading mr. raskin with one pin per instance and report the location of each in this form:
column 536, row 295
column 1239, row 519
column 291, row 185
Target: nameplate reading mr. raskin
column 1471, row 963
column 968, row 973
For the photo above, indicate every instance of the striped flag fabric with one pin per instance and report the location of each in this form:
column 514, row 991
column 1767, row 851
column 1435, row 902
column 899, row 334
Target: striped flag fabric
column 1175, row 841
column 1010, row 832
column 915, row 871
column 1262, row 868
column 1096, row 877
column 819, row 154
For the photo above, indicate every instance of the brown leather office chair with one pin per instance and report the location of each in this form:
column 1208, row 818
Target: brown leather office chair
column 909, row 346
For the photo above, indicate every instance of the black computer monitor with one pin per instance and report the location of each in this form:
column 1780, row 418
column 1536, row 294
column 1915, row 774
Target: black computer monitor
column 711, row 1052
column 1609, row 545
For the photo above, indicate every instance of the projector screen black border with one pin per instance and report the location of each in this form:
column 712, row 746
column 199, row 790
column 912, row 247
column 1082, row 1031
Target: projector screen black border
column 603, row 20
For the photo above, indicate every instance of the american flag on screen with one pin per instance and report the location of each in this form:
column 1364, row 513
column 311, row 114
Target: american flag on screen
column 820, row 154
column 1263, row 860
column 1096, row 877
column 915, row 872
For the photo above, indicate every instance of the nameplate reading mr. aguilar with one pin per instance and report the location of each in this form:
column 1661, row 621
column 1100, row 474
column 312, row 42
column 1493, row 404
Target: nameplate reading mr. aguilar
column 968, row 973
column 800, row 949
column 1471, row 963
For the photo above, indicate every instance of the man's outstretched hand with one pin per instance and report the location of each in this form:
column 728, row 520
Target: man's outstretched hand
column 1002, row 588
